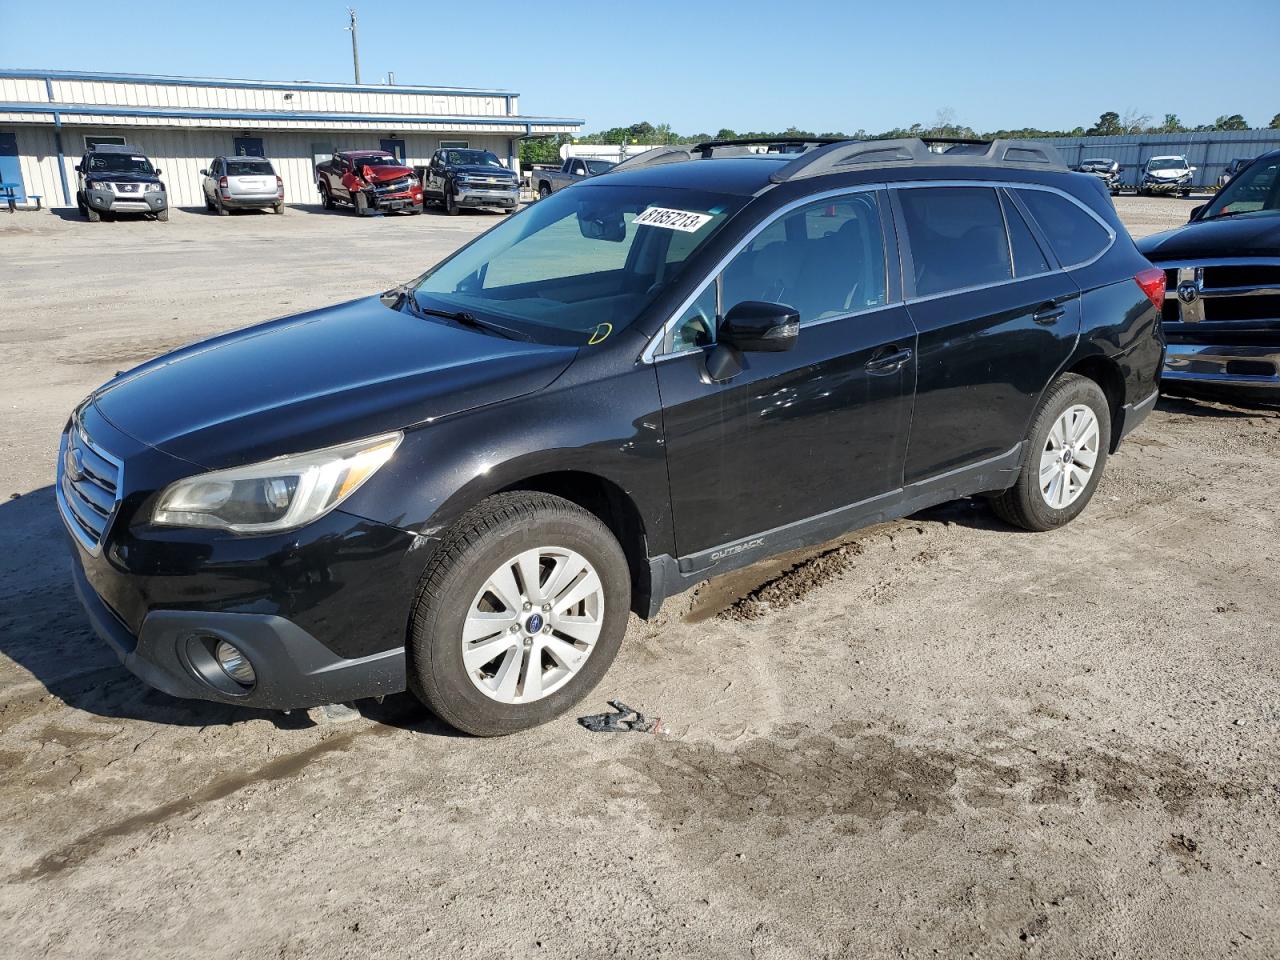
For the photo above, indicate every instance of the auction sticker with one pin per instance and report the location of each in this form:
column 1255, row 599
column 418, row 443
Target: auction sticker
column 668, row 219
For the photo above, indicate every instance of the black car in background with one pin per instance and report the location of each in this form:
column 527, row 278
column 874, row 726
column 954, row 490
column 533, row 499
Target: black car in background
column 1106, row 170
column 117, row 178
column 1232, row 168
column 466, row 485
column 1222, row 300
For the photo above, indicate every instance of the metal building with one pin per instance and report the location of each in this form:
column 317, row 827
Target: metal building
column 48, row 117
column 1209, row 151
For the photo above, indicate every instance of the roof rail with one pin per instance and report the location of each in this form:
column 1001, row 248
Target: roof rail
column 845, row 154
column 708, row 147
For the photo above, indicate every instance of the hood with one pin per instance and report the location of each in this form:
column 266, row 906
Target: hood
column 317, row 379
column 386, row 174
column 122, row 177
column 479, row 170
column 1167, row 174
column 1243, row 235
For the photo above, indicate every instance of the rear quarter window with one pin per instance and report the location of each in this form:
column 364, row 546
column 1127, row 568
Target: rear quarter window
column 1075, row 236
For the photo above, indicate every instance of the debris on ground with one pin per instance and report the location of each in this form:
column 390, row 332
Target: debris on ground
column 624, row 719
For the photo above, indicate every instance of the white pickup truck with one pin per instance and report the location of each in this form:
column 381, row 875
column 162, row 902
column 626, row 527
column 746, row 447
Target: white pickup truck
column 547, row 182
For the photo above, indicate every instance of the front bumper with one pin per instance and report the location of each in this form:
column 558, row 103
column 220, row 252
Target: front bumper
column 294, row 670
column 1166, row 186
column 508, row 199
column 106, row 201
column 1245, row 372
column 390, row 202
column 321, row 611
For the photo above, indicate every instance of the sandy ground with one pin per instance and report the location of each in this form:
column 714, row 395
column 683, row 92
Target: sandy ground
column 939, row 737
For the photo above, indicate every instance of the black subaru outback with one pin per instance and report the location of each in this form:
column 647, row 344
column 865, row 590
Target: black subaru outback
column 465, row 485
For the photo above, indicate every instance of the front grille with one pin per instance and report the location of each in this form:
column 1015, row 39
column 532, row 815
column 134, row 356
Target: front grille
column 128, row 188
column 88, row 487
column 396, row 186
column 490, row 183
column 1222, row 292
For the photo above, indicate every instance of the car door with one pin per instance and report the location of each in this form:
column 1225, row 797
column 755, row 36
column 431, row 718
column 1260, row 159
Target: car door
column 338, row 178
column 207, row 181
column 435, row 181
column 798, row 434
column 996, row 317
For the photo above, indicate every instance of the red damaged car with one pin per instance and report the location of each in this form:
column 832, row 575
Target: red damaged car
column 368, row 180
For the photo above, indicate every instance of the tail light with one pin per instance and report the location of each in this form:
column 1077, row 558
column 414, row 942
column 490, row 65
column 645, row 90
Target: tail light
column 222, row 183
column 279, row 186
column 1152, row 282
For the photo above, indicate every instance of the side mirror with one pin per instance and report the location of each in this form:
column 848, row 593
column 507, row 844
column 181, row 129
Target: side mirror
column 204, row 172
column 79, row 169
column 158, row 171
column 760, row 327
column 1195, row 212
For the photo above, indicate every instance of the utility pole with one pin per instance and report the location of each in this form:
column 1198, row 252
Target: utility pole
column 355, row 48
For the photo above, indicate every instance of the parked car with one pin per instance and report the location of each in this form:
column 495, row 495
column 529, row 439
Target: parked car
column 241, row 183
column 1106, row 170
column 117, row 178
column 573, row 170
column 464, row 486
column 1166, row 175
column 1222, row 306
column 457, row 178
column 368, row 180
column 1232, row 168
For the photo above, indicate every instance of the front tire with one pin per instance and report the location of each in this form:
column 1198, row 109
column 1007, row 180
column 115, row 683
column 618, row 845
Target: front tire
column 1064, row 457
column 163, row 214
column 519, row 614
column 450, row 201
column 362, row 204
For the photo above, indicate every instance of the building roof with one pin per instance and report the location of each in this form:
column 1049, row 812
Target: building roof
column 94, row 77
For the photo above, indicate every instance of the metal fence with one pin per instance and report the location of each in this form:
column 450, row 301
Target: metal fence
column 1207, row 152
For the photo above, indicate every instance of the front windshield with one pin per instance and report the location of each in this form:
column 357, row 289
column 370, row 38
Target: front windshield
column 597, row 167
column 471, row 158
column 1255, row 189
column 577, row 267
column 377, row 160
column 120, row 163
column 1168, row 163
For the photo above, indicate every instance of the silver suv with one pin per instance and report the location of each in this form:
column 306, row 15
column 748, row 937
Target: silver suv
column 241, row 183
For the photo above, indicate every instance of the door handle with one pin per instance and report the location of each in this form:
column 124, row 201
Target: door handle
column 1049, row 313
column 892, row 362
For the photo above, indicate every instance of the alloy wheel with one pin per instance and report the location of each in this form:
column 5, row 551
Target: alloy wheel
column 532, row 625
column 1069, row 456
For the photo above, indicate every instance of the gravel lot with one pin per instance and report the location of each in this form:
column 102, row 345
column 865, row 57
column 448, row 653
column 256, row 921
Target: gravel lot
column 938, row 737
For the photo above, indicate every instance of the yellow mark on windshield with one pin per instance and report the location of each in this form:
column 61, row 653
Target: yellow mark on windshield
column 602, row 330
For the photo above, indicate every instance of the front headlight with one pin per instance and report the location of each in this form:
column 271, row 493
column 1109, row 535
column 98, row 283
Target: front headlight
column 277, row 494
column 98, row 185
column 155, row 187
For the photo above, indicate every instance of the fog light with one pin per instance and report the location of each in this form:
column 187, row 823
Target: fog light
column 234, row 663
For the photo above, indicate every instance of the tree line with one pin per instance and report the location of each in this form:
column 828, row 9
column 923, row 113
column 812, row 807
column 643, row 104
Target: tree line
column 945, row 124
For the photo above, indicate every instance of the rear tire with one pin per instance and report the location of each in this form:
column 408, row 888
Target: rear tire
column 326, row 200
column 279, row 208
column 221, row 208
column 461, row 590
column 544, row 191
column 1058, row 478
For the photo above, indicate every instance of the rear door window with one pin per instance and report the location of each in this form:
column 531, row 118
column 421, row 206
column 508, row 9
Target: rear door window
column 1028, row 258
column 1076, row 237
column 957, row 238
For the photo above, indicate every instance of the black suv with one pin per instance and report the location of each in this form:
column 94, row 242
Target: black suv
column 465, row 485
column 116, row 178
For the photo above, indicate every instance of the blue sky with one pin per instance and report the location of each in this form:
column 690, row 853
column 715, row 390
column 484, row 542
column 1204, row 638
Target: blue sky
column 704, row 64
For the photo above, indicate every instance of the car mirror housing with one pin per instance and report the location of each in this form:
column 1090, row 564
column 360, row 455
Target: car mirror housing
column 204, row 172
column 1195, row 212
column 756, row 326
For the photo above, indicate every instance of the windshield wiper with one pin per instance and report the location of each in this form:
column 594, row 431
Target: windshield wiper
column 404, row 295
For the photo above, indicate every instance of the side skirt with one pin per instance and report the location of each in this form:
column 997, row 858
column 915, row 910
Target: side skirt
column 669, row 576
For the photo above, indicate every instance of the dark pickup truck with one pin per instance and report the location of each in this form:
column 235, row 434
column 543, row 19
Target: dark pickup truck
column 458, row 178
column 1222, row 300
